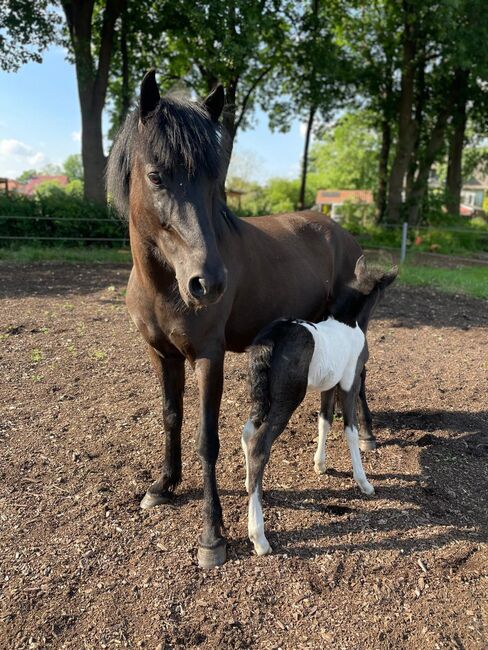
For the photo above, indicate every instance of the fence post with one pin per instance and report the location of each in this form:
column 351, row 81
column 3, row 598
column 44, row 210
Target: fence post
column 403, row 250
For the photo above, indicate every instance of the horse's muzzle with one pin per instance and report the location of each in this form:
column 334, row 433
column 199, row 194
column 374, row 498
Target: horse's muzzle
column 207, row 289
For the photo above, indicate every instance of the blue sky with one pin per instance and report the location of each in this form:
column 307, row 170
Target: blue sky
column 40, row 124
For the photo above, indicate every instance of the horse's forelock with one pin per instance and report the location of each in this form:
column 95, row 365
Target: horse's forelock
column 178, row 135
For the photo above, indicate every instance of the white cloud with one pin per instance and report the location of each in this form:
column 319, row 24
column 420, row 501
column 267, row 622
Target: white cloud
column 16, row 156
column 12, row 147
column 37, row 159
column 76, row 136
column 303, row 129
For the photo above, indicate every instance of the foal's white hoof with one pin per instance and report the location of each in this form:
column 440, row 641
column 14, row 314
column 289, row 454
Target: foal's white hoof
column 320, row 468
column 366, row 488
column 263, row 549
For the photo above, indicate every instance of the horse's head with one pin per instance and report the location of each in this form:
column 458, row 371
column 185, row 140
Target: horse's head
column 358, row 299
column 170, row 150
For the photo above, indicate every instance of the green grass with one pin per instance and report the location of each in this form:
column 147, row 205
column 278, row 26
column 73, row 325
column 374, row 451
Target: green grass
column 63, row 254
column 468, row 280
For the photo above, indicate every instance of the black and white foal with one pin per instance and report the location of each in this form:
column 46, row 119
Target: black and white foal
column 289, row 358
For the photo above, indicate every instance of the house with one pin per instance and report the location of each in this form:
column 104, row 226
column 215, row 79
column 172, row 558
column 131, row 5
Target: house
column 331, row 201
column 29, row 188
column 9, row 185
column 473, row 193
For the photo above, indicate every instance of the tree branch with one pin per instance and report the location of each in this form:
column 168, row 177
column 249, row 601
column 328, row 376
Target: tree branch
column 247, row 96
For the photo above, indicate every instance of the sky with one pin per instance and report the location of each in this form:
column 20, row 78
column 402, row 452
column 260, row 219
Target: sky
column 40, row 124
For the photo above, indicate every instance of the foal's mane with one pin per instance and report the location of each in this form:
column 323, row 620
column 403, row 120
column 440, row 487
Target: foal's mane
column 178, row 134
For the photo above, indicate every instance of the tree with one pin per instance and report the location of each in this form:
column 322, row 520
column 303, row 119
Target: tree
column 84, row 19
column 312, row 78
column 371, row 35
column 199, row 45
column 73, row 167
column 346, row 156
column 26, row 29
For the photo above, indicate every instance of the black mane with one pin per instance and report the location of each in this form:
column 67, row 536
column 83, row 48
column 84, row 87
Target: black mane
column 178, row 134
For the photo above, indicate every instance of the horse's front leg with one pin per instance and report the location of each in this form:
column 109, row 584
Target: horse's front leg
column 171, row 374
column 210, row 375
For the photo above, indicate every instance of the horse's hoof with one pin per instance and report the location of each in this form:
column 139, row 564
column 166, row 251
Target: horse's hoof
column 367, row 445
column 320, row 468
column 152, row 500
column 208, row 558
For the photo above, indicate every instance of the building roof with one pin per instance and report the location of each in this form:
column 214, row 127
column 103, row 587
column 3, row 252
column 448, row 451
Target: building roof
column 33, row 183
column 330, row 197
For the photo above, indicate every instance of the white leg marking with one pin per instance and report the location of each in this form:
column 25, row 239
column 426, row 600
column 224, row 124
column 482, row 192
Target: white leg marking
column 248, row 431
column 256, row 525
column 319, row 458
column 352, row 438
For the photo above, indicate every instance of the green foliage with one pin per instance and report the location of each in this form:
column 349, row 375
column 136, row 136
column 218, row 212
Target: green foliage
column 73, row 167
column 346, row 157
column 26, row 29
column 58, row 213
column 276, row 196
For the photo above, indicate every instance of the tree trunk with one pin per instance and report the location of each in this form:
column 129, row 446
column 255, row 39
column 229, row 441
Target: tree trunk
column 420, row 185
column 381, row 200
column 124, row 54
column 420, row 97
column 92, row 83
column 94, row 160
column 406, row 124
column 454, row 179
column 303, row 184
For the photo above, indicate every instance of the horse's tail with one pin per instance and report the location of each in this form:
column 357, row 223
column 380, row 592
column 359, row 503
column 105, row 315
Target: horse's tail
column 260, row 358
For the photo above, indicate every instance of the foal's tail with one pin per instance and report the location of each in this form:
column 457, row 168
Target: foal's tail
column 260, row 358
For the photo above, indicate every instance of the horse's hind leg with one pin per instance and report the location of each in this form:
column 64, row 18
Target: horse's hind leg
column 326, row 417
column 258, row 450
column 367, row 439
column 171, row 374
column 349, row 400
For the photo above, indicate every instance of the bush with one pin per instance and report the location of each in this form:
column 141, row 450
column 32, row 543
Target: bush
column 57, row 213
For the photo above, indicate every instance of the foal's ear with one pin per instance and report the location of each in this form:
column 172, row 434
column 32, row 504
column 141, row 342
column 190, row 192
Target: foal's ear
column 214, row 103
column 360, row 269
column 388, row 278
column 149, row 94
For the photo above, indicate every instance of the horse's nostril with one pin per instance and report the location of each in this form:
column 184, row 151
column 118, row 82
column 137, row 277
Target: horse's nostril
column 198, row 287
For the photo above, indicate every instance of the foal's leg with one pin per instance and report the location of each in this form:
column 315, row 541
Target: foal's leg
column 210, row 375
column 349, row 400
column 326, row 417
column 171, row 374
column 258, row 451
column 367, row 439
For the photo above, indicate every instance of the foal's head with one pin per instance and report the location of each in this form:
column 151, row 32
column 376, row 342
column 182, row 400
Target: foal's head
column 358, row 299
column 165, row 173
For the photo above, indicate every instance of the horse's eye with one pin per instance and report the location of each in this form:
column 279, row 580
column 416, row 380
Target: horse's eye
column 155, row 178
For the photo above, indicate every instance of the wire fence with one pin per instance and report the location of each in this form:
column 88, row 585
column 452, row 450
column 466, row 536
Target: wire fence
column 27, row 228
column 111, row 231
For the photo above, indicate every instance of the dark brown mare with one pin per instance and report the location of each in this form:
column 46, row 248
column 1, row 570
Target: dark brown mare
column 203, row 281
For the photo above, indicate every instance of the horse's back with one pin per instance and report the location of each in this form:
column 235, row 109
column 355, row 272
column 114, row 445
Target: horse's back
column 289, row 266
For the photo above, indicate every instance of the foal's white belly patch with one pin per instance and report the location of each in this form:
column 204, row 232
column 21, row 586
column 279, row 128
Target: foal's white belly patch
column 336, row 351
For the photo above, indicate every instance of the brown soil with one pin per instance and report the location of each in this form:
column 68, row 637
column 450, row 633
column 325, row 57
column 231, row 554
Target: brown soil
column 81, row 566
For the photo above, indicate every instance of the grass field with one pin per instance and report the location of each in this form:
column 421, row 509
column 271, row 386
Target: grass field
column 467, row 280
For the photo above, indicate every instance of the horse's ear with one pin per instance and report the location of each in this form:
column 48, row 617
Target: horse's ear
column 214, row 103
column 149, row 94
column 360, row 269
column 388, row 278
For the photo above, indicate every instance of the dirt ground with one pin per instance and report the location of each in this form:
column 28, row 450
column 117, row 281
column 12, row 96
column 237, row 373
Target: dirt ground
column 81, row 566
